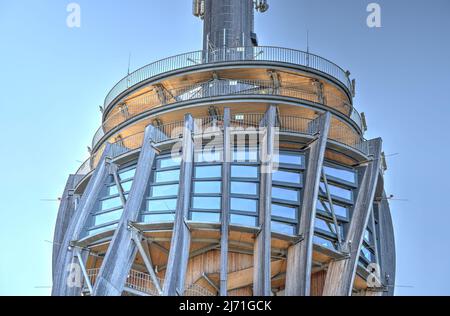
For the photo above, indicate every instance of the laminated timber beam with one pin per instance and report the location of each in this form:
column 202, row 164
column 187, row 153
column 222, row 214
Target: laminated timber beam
column 122, row 250
column 262, row 249
column 82, row 257
column 225, row 225
column 66, row 257
column 144, row 251
column 65, row 214
column 244, row 278
column 386, row 245
column 181, row 237
column 299, row 264
column 341, row 274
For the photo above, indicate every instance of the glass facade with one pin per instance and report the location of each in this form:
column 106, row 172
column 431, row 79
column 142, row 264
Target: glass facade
column 108, row 209
column 369, row 245
column 244, row 191
column 287, row 184
column 206, row 200
column 206, row 203
column 341, row 185
column 160, row 201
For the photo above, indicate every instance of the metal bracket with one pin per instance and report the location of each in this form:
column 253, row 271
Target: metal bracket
column 299, row 239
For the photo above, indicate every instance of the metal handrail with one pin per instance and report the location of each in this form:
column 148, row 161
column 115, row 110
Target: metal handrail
column 261, row 53
column 287, row 124
column 143, row 283
column 216, row 88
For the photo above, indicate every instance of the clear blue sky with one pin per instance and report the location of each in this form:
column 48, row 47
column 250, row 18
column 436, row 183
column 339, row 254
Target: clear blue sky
column 54, row 78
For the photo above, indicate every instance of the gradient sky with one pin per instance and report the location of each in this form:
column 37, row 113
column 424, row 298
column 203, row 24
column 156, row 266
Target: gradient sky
column 52, row 80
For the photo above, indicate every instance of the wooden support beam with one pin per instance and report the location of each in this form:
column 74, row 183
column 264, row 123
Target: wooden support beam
column 145, row 254
column 333, row 214
column 298, row 280
column 115, row 173
column 78, row 253
column 244, row 278
column 196, row 253
column 386, row 246
column 161, row 93
column 262, row 250
column 225, row 228
column 181, row 237
column 122, row 251
column 76, row 226
column 66, row 210
column 210, row 282
column 341, row 274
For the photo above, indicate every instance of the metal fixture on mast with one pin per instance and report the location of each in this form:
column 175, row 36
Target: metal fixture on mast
column 228, row 23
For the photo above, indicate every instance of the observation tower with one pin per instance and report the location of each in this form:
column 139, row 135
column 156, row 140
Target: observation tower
column 236, row 170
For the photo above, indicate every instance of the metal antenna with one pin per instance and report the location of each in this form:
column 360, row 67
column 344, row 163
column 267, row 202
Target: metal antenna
column 307, row 41
column 129, row 63
column 307, row 47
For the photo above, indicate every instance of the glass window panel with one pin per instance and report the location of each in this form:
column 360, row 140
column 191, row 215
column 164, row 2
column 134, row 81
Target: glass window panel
column 126, row 186
column 285, row 194
column 338, row 209
column 165, row 190
column 112, row 190
column 323, row 242
column 284, row 211
column 169, row 162
column 207, row 203
column 322, row 224
column 167, row 176
column 295, row 159
column 342, row 174
column 245, row 172
column 110, row 203
column 337, row 191
column 367, row 254
column 283, row 228
column 368, row 236
column 162, row 205
column 207, row 187
column 205, row 217
column 127, row 174
column 245, row 155
column 208, row 172
column 362, row 264
column 245, row 188
column 101, row 230
column 158, row 218
column 244, row 205
column 287, row 176
column 243, row 220
column 107, row 217
column 208, row 156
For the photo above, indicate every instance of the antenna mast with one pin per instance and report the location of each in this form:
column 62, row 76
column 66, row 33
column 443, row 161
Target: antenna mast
column 228, row 23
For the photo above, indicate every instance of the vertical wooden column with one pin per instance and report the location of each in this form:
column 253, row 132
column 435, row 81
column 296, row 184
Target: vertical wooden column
column 226, row 176
column 262, row 251
column 77, row 223
column 299, row 265
column 65, row 213
column 386, row 246
column 122, row 250
column 181, row 237
column 341, row 274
